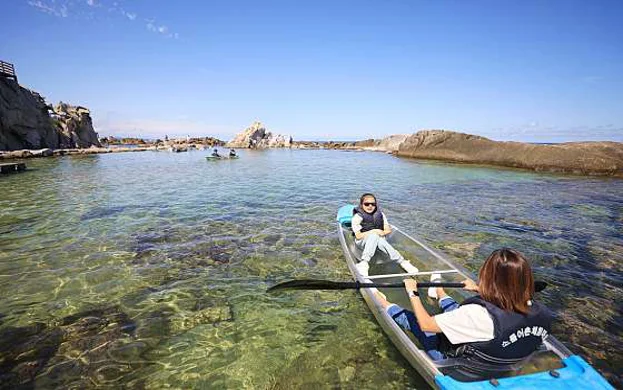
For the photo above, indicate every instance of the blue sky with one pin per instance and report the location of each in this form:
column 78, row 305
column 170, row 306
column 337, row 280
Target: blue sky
column 536, row 71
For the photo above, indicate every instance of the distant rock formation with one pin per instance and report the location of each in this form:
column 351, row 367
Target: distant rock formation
column 586, row 158
column 256, row 136
column 27, row 122
column 387, row 144
column 75, row 126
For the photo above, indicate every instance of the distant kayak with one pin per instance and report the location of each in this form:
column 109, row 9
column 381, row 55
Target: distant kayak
column 213, row 158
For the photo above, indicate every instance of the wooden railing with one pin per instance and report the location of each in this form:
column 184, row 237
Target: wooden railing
column 7, row 70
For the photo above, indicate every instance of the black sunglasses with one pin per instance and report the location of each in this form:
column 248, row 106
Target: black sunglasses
column 369, row 204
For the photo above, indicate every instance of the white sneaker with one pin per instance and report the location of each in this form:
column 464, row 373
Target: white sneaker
column 432, row 291
column 407, row 266
column 362, row 268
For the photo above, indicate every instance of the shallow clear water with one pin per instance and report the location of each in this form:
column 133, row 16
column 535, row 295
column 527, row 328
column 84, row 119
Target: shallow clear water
column 148, row 270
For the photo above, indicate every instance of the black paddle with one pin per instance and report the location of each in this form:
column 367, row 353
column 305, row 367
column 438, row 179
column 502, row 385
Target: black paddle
column 316, row 284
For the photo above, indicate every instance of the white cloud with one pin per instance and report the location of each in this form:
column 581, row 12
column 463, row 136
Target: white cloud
column 63, row 8
column 551, row 133
column 109, row 125
column 151, row 26
column 162, row 29
column 50, row 7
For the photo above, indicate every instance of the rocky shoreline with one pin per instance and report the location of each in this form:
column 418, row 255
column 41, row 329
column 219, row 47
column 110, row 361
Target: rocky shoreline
column 578, row 158
column 29, row 128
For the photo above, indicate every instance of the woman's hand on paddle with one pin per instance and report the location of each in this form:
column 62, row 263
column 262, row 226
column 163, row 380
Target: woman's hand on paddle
column 470, row 285
column 410, row 284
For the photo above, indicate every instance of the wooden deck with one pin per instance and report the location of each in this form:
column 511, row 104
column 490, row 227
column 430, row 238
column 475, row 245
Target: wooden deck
column 7, row 70
column 12, row 167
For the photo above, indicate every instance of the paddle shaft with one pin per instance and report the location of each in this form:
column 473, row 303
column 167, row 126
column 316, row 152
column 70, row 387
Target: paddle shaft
column 420, row 285
column 315, row 284
column 330, row 285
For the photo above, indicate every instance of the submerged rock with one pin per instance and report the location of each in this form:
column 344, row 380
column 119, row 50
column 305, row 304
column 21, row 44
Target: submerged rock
column 73, row 351
column 211, row 315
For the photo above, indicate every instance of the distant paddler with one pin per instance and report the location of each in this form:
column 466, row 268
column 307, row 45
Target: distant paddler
column 215, row 153
column 232, row 153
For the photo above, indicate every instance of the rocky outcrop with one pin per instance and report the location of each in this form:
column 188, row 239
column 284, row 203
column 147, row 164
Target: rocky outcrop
column 586, row 158
column 75, row 126
column 387, row 144
column 27, row 122
column 256, row 136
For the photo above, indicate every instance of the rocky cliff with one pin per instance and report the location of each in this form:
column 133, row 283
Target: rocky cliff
column 74, row 126
column 256, row 136
column 586, row 158
column 27, row 122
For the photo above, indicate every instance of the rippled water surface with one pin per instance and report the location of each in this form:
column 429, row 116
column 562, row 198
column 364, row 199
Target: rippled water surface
column 148, row 270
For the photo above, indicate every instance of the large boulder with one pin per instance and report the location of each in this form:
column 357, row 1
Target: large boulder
column 75, row 126
column 256, row 136
column 28, row 122
column 587, row 158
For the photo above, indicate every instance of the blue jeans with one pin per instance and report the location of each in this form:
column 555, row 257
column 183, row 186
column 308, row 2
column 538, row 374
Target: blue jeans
column 407, row 321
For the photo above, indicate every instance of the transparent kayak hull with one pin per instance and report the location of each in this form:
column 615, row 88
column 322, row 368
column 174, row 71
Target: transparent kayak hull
column 553, row 366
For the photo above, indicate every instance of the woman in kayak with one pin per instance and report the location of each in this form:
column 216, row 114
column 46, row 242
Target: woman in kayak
column 370, row 227
column 501, row 325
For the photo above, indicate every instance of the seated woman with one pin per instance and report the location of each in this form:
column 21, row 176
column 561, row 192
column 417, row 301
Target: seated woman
column 502, row 325
column 232, row 153
column 215, row 153
column 370, row 227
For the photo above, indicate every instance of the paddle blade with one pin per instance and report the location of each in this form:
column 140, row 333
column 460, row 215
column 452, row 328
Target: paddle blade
column 313, row 284
column 539, row 285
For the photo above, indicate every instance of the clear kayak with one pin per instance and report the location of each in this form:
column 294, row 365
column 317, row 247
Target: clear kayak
column 553, row 366
column 214, row 158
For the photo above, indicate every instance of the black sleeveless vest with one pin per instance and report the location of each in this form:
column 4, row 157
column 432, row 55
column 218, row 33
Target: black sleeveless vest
column 515, row 335
column 370, row 221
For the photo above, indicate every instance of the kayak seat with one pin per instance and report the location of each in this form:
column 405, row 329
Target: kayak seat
column 345, row 215
column 466, row 369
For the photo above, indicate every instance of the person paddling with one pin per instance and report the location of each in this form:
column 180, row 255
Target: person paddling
column 232, row 153
column 370, row 227
column 215, row 153
column 501, row 324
